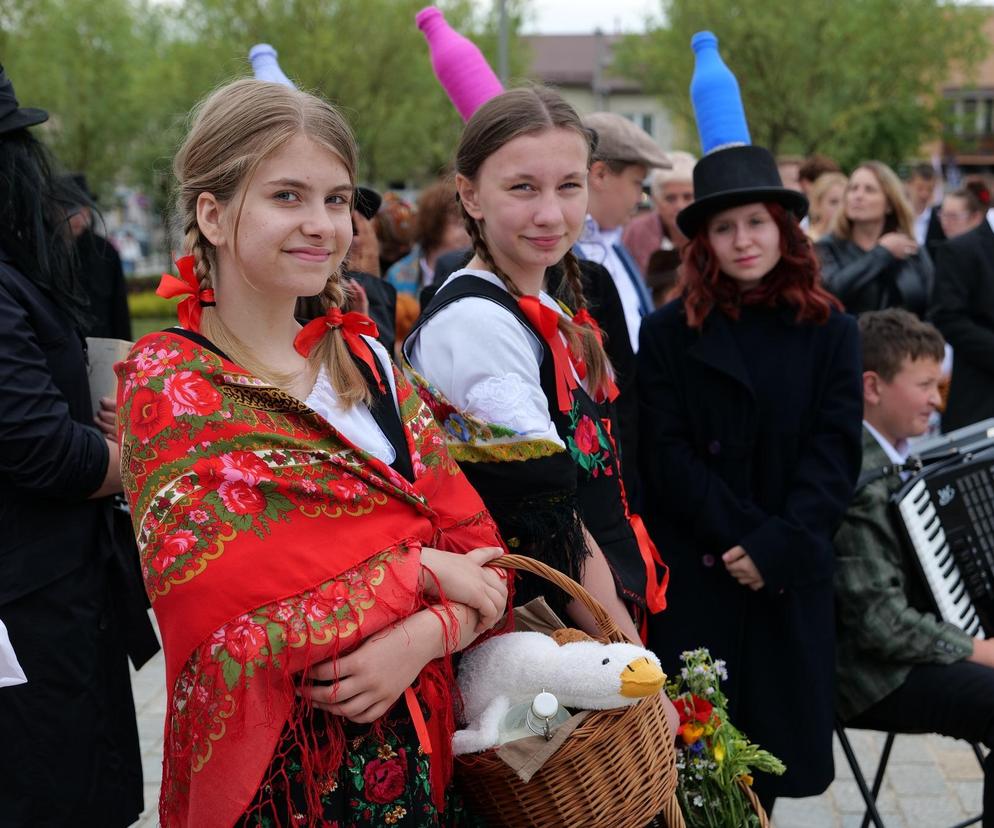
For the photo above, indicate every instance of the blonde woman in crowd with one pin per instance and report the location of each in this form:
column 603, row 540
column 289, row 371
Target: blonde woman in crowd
column 870, row 259
column 827, row 194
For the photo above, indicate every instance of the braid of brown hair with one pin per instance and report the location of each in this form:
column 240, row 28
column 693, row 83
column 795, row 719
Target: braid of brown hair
column 571, row 272
column 195, row 242
column 346, row 379
column 583, row 340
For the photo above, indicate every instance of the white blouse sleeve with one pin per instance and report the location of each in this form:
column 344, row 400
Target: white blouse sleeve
column 487, row 363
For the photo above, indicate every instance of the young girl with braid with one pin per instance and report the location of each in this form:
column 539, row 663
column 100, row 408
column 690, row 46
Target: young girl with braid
column 519, row 380
column 312, row 553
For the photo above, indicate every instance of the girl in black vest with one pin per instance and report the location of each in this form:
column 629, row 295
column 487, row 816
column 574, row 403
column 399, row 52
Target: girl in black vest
column 519, row 380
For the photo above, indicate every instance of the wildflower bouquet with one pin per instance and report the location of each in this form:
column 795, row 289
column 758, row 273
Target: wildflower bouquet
column 714, row 759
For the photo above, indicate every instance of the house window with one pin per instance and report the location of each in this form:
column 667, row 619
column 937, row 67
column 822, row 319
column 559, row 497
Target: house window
column 642, row 119
column 987, row 127
column 969, row 120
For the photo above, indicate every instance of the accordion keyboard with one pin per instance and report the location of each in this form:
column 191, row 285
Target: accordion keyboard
column 948, row 516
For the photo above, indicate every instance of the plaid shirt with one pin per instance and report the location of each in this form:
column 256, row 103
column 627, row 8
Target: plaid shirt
column 885, row 623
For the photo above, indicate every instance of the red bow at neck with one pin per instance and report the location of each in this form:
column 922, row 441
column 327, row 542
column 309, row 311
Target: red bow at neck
column 546, row 322
column 583, row 318
column 352, row 325
column 190, row 309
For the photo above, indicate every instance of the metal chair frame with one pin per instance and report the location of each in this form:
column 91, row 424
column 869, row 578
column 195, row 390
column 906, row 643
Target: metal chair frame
column 872, row 815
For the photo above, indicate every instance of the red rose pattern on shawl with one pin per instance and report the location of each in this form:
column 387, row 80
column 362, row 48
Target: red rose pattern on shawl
column 199, row 471
column 203, row 700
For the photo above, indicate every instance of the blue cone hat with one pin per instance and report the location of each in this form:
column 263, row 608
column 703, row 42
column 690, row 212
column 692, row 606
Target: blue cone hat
column 732, row 171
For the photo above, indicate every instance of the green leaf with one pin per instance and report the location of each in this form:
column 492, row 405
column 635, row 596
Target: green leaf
column 852, row 79
column 232, row 671
column 274, row 632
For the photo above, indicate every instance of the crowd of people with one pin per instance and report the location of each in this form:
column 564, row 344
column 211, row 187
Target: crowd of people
column 681, row 400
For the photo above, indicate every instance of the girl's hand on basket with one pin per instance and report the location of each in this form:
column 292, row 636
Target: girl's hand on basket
column 365, row 684
column 465, row 580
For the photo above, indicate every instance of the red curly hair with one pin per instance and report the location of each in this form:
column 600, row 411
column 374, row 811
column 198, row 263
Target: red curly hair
column 795, row 280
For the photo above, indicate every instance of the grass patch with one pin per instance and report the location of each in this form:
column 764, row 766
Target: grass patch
column 143, row 325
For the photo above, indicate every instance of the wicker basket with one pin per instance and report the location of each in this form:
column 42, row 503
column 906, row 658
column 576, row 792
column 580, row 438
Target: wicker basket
column 615, row 770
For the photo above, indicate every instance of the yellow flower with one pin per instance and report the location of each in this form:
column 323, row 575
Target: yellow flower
column 385, row 752
column 719, row 753
column 747, row 779
column 691, row 733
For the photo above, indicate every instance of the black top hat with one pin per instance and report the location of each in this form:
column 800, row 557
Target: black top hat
column 734, row 176
column 11, row 115
column 732, row 171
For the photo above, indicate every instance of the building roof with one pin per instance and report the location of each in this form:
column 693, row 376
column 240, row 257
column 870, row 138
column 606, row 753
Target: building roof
column 577, row 60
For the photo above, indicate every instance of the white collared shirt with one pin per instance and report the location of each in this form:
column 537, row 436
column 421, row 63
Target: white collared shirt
column 921, row 224
column 356, row 423
column 598, row 246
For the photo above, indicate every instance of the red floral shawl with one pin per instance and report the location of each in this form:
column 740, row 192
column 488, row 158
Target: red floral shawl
column 269, row 542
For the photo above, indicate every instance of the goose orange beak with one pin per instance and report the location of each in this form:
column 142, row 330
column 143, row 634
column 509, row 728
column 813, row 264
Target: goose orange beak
column 641, row 678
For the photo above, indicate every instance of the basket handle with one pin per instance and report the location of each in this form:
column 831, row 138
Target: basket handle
column 609, row 629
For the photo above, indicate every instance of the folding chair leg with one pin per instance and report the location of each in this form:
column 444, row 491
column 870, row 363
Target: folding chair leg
column 878, row 778
column 872, row 815
column 973, row 821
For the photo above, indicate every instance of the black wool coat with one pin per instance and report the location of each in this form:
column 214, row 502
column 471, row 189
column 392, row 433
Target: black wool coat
column 964, row 312
column 716, row 474
column 70, row 587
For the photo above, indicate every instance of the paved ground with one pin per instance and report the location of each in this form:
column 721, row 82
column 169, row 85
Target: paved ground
column 931, row 782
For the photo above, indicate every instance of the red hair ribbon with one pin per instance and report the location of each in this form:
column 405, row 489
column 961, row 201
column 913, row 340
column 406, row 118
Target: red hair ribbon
column 546, row 322
column 655, row 586
column 352, row 325
column 190, row 310
column 583, row 318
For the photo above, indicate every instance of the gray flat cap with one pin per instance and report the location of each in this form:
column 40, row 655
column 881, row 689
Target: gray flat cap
column 618, row 139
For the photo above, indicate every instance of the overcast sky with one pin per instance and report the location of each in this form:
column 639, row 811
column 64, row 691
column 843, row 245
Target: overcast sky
column 583, row 16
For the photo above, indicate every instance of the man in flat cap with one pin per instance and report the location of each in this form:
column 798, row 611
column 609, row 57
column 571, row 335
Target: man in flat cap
column 622, row 159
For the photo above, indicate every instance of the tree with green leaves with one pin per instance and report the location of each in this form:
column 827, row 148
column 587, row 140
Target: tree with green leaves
column 120, row 76
column 853, row 79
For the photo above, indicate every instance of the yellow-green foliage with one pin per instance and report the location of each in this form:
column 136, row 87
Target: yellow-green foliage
column 146, row 305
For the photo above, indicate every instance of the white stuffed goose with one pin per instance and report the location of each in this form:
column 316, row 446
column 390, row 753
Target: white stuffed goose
column 583, row 674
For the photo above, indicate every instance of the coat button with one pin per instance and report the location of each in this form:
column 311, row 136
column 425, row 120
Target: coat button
column 714, row 447
column 708, row 560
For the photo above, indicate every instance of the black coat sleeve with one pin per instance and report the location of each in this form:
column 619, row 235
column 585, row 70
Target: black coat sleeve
column 673, row 471
column 844, row 276
column 954, row 311
column 793, row 547
column 42, row 449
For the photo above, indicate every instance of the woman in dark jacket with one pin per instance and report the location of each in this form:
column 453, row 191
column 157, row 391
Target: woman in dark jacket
column 72, row 606
column 871, row 260
column 750, row 386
